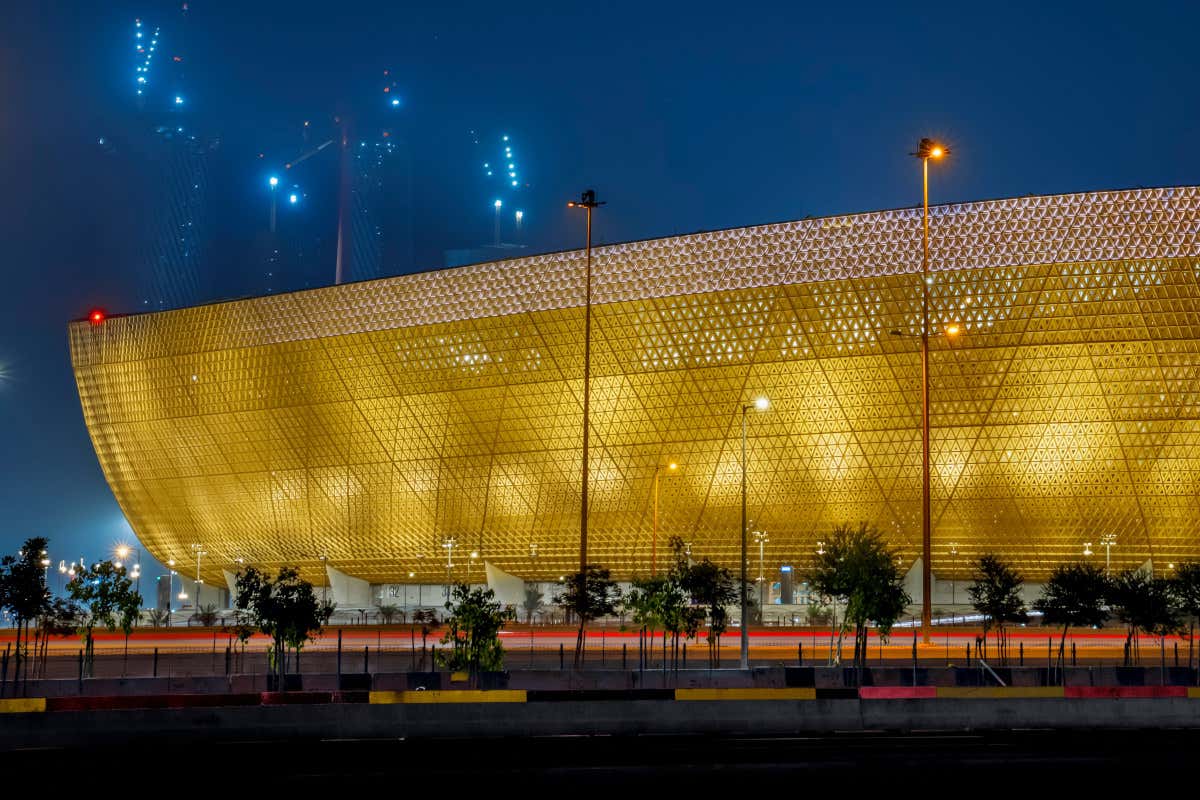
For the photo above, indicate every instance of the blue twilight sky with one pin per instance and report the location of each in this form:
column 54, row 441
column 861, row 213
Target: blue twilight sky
column 683, row 116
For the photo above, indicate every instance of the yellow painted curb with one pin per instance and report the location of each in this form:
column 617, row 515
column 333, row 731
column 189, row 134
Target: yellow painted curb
column 745, row 694
column 996, row 692
column 1194, row 692
column 452, row 696
column 23, row 705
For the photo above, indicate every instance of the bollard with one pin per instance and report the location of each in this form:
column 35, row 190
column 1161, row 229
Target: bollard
column 968, row 655
column 1021, row 650
column 339, row 657
column 227, row 660
column 623, row 646
column 3, row 672
column 1049, row 650
column 1073, row 662
column 366, row 657
column 80, row 672
column 685, row 655
column 1177, row 654
column 561, row 662
column 155, row 672
column 799, row 654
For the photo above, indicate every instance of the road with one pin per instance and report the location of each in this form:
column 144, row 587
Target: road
column 946, row 764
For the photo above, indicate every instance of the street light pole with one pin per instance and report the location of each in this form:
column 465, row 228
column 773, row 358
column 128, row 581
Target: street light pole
column 761, row 404
column 761, row 538
column 587, row 201
column 671, row 467
column 926, row 149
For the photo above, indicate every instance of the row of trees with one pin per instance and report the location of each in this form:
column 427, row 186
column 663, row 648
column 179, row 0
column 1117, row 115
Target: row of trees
column 1083, row 595
column 679, row 602
column 99, row 595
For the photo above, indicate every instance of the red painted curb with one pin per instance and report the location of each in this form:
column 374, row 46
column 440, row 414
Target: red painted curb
column 1093, row 692
column 896, row 692
column 295, row 698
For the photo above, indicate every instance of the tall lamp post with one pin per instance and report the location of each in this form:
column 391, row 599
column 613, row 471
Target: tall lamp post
column 762, row 538
column 760, row 404
column 1108, row 540
column 671, row 467
column 926, row 149
column 199, row 550
column 588, row 202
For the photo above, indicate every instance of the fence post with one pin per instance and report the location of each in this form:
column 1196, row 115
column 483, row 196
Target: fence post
column 1049, row 650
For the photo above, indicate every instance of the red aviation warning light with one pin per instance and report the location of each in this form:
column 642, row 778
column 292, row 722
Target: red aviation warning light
column 96, row 316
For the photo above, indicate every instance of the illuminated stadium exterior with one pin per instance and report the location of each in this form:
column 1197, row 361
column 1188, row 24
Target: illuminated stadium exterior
column 368, row 423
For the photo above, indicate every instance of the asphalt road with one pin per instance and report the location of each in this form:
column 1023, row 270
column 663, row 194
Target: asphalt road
column 931, row 764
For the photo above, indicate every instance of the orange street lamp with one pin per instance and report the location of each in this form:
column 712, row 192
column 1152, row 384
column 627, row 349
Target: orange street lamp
column 759, row 404
column 926, row 149
column 671, row 467
column 587, row 201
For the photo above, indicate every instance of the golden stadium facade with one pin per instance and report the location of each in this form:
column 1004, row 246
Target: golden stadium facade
column 370, row 422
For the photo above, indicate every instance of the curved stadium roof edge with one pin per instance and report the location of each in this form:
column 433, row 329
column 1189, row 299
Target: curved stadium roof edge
column 1025, row 230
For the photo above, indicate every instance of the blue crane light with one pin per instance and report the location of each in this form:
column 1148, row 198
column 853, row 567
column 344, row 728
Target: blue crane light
column 395, row 101
column 273, row 181
column 293, row 198
column 178, row 100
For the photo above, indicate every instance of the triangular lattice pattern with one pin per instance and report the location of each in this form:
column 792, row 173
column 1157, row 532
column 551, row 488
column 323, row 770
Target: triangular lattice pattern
column 371, row 421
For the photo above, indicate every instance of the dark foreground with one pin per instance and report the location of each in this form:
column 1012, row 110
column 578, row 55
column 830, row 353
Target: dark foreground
column 911, row 763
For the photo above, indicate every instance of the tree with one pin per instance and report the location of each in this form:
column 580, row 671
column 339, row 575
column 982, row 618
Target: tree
column 1187, row 591
column 1074, row 595
column 156, row 617
column 205, row 616
column 532, row 603
column 713, row 588
column 589, row 595
column 1125, row 596
column 996, row 594
column 644, row 603
column 473, row 628
column 858, row 567
column 108, row 595
column 427, row 620
column 389, row 612
column 59, row 618
column 24, row 594
column 286, row 609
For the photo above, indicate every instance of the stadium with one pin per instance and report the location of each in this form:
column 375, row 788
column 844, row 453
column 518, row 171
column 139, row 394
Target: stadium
column 379, row 431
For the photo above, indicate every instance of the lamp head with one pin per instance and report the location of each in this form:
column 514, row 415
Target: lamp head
column 928, row 148
column 762, row 403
